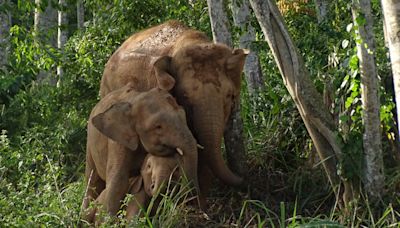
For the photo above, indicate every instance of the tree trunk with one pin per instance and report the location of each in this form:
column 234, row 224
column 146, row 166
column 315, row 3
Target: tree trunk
column 391, row 12
column 234, row 142
column 252, row 68
column 373, row 170
column 219, row 22
column 4, row 34
column 45, row 23
column 233, row 134
column 62, row 35
column 80, row 14
column 321, row 7
column 309, row 102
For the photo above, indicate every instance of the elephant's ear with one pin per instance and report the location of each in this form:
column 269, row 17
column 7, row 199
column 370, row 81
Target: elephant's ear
column 234, row 65
column 116, row 124
column 135, row 184
column 164, row 79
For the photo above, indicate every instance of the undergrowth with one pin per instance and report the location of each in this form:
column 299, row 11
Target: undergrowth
column 43, row 127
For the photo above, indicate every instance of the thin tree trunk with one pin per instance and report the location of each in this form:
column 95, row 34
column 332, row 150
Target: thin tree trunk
column 45, row 23
column 391, row 12
column 252, row 68
column 309, row 102
column 80, row 14
column 321, row 7
column 4, row 34
column 233, row 134
column 373, row 172
column 62, row 35
column 219, row 22
column 234, row 141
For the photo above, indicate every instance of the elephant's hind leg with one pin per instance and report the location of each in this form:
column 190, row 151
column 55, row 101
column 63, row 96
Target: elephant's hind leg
column 95, row 185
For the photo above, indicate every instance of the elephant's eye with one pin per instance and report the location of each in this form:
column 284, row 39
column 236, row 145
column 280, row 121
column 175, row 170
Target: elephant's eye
column 156, row 127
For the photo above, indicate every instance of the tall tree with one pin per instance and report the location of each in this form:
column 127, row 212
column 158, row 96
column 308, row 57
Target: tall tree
column 252, row 68
column 4, row 31
column 321, row 7
column 391, row 12
column 309, row 102
column 233, row 134
column 62, row 34
column 219, row 22
column 373, row 172
column 45, row 22
column 80, row 14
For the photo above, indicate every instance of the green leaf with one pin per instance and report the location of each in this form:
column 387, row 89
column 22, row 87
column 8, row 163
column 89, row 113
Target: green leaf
column 348, row 102
column 349, row 27
column 353, row 63
column 345, row 43
column 360, row 20
column 345, row 81
column 344, row 118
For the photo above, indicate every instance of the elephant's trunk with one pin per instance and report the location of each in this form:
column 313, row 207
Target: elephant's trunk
column 190, row 158
column 208, row 124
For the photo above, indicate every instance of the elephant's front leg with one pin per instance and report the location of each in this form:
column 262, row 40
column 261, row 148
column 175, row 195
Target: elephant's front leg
column 117, row 187
column 139, row 201
column 117, row 180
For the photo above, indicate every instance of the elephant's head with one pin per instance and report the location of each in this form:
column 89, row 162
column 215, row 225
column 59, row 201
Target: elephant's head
column 157, row 171
column 208, row 80
column 155, row 174
column 154, row 120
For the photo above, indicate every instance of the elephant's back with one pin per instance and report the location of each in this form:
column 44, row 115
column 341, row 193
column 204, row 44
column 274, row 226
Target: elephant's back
column 126, row 64
column 157, row 40
column 131, row 62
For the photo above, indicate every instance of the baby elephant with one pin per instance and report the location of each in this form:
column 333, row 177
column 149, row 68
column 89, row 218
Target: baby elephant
column 122, row 128
column 155, row 172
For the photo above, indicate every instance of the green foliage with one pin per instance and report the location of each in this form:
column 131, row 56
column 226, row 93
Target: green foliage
column 164, row 210
column 33, row 189
column 43, row 127
column 27, row 59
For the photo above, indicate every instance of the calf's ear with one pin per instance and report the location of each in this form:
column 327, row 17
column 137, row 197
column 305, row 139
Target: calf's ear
column 117, row 124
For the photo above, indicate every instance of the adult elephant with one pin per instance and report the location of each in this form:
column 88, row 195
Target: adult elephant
column 207, row 83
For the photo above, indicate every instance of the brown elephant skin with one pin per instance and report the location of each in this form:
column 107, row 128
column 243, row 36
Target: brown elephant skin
column 123, row 127
column 207, row 80
column 156, row 172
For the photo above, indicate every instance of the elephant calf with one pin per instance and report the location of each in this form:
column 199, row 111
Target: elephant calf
column 122, row 128
column 156, row 171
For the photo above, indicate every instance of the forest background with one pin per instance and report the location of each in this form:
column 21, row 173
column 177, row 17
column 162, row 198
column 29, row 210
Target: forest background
column 48, row 88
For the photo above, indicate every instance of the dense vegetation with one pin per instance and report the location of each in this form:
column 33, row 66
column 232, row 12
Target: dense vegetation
column 43, row 127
